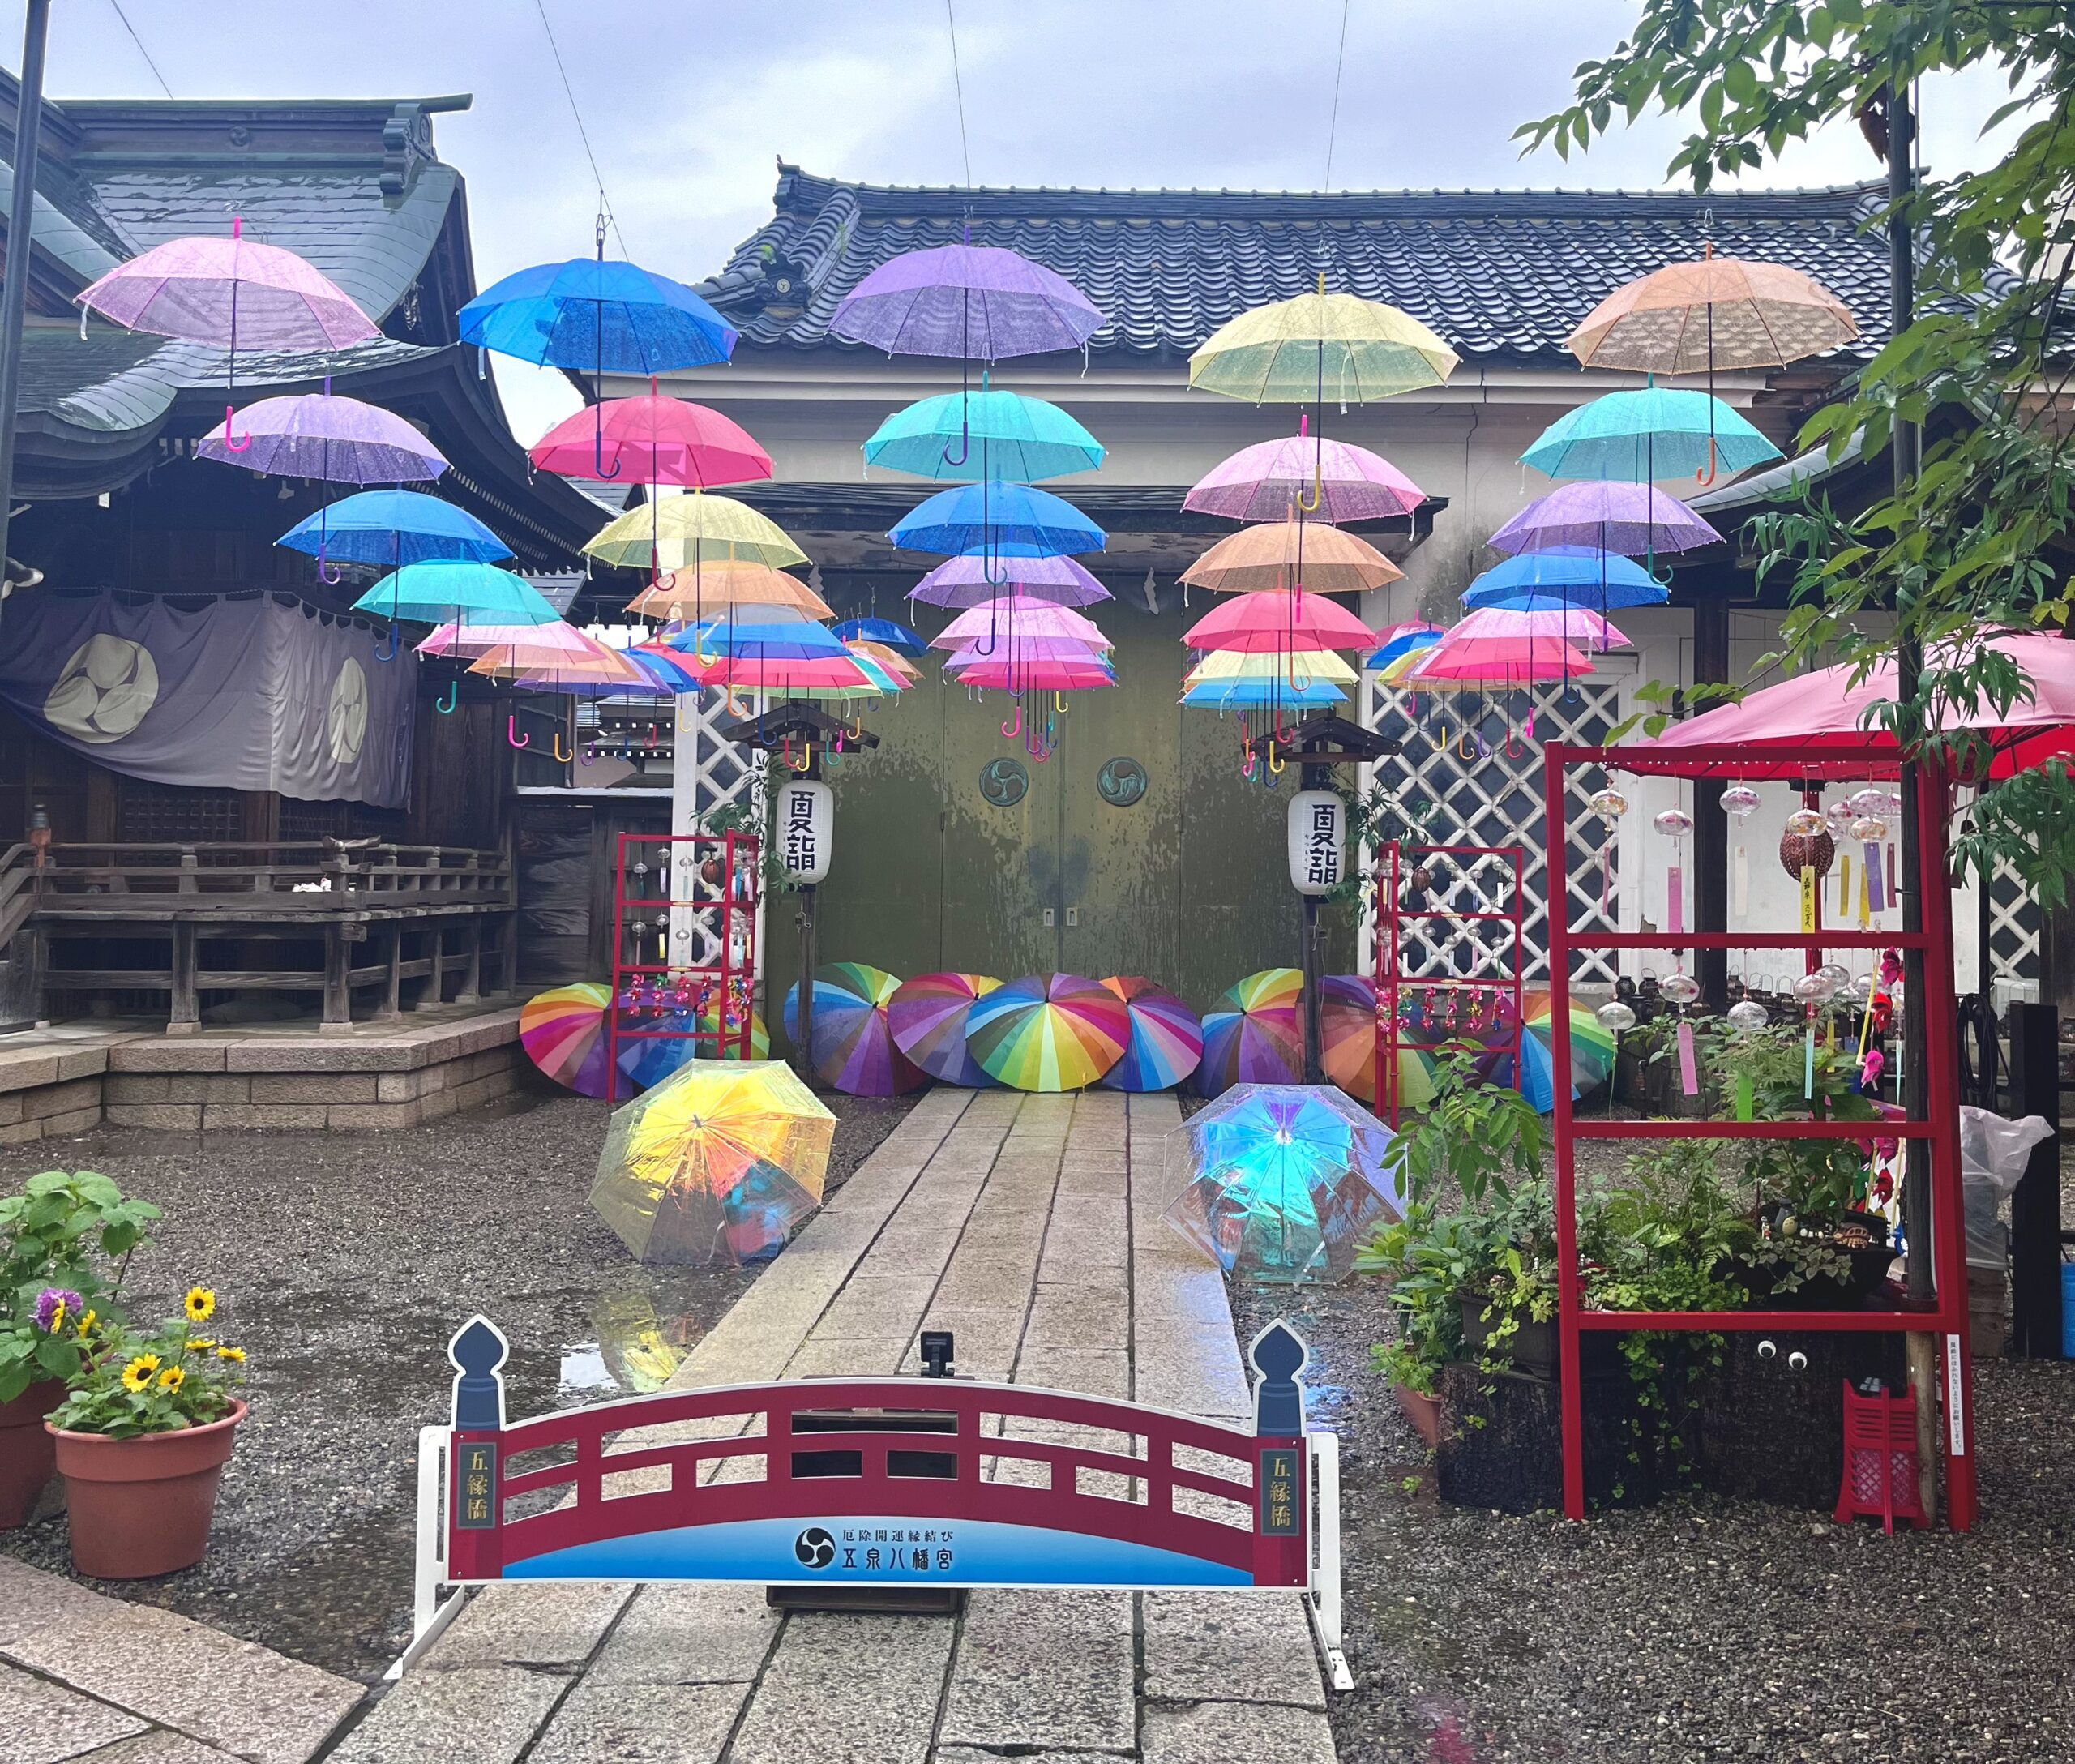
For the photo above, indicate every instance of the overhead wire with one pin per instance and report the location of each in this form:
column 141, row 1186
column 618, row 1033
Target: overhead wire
column 958, row 90
column 583, row 134
column 1339, row 62
column 116, row 5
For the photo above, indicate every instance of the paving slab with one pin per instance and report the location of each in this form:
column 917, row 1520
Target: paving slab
column 848, row 1689
column 600, row 1724
column 485, row 1716
column 1227, row 1732
column 1044, row 1669
column 41, row 1723
column 159, row 1746
column 689, row 1635
column 522, row 1625
column 1206, row 1646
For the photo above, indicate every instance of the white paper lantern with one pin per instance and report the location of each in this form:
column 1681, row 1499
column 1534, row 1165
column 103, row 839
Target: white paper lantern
column 1318, row 836
column 805, row 830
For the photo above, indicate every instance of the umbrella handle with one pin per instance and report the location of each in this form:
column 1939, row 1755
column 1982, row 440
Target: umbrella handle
column 1707, row 476
column 231, row 441
column 699, row 655
column 561, row 757
column 1514, row 747
column 1276, row 764
column 512, row 732
column 390, row 655
column 651, row 743
column 1015, row 728
column 1465, row 747
column 598, row 455
column 785, row 754
column 445, row 705
column 330, row 576
column 589, row 756
column 1059, row 703
column 831, row 758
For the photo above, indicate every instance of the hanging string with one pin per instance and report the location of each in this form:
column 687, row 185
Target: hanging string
column 1339, row 61
column 132, row 29
column 958, row 92
column 583, row 134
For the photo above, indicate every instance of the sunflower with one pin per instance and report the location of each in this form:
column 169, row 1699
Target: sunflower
column 199, row 1344
column 201, row 1305
column 137, row 1375
column 85, row 1326
column 171, row 1379
column 236, row 1355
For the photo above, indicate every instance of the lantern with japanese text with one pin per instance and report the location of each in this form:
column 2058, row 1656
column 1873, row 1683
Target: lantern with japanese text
column 804, row 830
column 1318, row 830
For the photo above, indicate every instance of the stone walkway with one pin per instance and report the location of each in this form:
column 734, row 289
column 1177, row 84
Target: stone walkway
column 1031, row 1226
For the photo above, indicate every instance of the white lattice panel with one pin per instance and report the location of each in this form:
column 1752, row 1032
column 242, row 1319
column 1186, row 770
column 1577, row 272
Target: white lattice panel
column 707, row 773
column 2013, row 934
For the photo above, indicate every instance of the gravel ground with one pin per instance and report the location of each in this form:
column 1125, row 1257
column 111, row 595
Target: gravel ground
column 342, row 1262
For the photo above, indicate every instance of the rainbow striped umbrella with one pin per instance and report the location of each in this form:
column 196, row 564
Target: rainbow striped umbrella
column 853, row 1049
column 563, row 1032
column 1348, row 1044
column 1256, row 1035
column 1592, row 1051
column 1052, row 1032
column 1167, row 1039
column 927, row 1016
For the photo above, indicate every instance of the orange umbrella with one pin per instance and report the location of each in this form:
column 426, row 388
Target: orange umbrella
column 1280, row 554
column 1726, row 312
column 557, row 653
column 692, row 594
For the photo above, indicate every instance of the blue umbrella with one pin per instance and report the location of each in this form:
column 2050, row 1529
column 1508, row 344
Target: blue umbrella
column 598, row 317
column 888, row 632
column 1263, row 695
column 1584, row 577
column 1652, row 433
column 391, row 528
column 803, row 641
column 440, row 588
column 985, row 434
column 1007, row 520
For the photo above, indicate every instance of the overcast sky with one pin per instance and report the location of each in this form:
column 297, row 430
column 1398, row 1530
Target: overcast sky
column 688, row 104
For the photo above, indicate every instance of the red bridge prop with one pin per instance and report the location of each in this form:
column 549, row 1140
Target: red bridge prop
column 890, row 1482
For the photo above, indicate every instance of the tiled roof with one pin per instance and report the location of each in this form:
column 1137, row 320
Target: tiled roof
column 1502, row 275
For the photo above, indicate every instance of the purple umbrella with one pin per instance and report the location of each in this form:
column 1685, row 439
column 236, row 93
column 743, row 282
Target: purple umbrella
column 1348, row 483
column 1631, row 519
column 340, row 440
column 978, row 302
column 974, row 578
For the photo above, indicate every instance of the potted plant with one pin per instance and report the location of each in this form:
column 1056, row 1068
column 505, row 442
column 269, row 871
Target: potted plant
column 147, row 1423
column 52, row 1295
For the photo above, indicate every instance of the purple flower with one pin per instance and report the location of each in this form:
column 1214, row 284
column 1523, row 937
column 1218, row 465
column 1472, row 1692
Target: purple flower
column 56, row 1305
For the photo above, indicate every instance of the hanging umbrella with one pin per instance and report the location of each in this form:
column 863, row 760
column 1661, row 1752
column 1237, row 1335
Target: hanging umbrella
column 987, row 433
column 1165, row 1042
column 604, row 318
column 1256, row 1035
column 716, row 1165
column 470, row 594
column 678, row 596
column 1035, row 673
column 1279, row 623
column 1284, row 1183
column 1321, row 664
column 1540, row 615
column 771, row 639
column 563, row 1032
column 1055, row 1032
column 1005, row 519
column 1475, row 661
column 1234, row 679
column 334, row 439
column 977, row 303
column 1592, row 1051
column 652, row 440
column 928, row 1017
column 1265, row 481
column 1727, row 312
column 1651, row 433
column 787, row 677
column 1282, row 554
column 1014, row 617
column 1275, row 695
column 1349, row 1040
column 977, row 577
column 854, row 1050
column 888, row 632
column 1396, row 641
column 387, row 529
column 1320, row 346
column 456, row 640
column 1636, row 520
column 1600, row 580
column 890, row 660
column 680, row 532
column 549, row 655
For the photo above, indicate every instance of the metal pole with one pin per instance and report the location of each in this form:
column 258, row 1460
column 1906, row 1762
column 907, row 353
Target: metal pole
column 21, row 221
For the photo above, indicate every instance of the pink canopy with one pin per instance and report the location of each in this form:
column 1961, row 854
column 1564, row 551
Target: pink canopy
column 1061, row 675
column 1497, row 662
column 1018, row 618
column 1823, row 713
column 233, row 293
column 1275, row 620
column 472, row 640
column 1260, row 483
column 1006, row 652
column 1578, row 625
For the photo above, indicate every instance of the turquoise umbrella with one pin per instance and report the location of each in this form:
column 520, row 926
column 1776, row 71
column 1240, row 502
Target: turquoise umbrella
column 466, row 593
column 999, row 434
column 1654, row 433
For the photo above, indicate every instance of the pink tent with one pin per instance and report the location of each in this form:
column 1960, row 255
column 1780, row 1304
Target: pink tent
column 1826, row 712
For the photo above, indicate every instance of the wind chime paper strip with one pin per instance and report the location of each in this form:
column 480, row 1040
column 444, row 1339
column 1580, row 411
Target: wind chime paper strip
column 1675, row 899
column 1873, row 876
column 1740, row 883
column 1844, row 884
column 1866, row 875
column 1807, row 899
column 1689, row 1078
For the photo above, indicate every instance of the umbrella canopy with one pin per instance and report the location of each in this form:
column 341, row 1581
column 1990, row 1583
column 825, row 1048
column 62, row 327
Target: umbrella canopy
column 1636, row 520
column 1592, row 1051
column 1255, row 1035
column 682, row 594
column 1826, row 712
column 1653, row 432
column 563, row 1032
column 886, row 633
column 336, row 440
column 551, row 653
column 1320, row 346
column 1165, row 1042
column 1279, row 622
column 649, row 1059
column 1033, row 673
column 1050, row 1032
column 684, row 533
column 773, row 639
column 1012, row 650
column 1025, row 619
column 470, row 593
column 1540, row 615
column 1284, row 1182
column 1600, row 580
column 987, row 433
column 1495, row 661
column 1727, row 312
column 652, row 440
column 232, row 293
column 1349, row 1040
column 1321, row 664
column 976, row 302
column 1004, row 518
column 1270, row 695
column 1265, row 481
column 598, row 318
column 978, row 575
column 386, row 529
column 928, row 1016
column 716, row 1165
column 1399, row 641
column 454, row 639
column 788, row 677
column 1279, row 554
column 853, row 1049
column 893, row 661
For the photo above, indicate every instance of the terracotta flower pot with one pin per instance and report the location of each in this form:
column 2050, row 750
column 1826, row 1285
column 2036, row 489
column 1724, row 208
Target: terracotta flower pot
column 1421, row 1411
column 27, row 1461
column 141, row 1507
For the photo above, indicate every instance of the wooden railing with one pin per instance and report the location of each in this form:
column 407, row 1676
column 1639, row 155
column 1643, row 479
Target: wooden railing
column 321, row 876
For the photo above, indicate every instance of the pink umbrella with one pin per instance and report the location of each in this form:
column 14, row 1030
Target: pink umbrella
column 472, row 640
column 1017, row 619
column 652, row 440
column 968, row 580
column 1543, row 617
column 1275, row 621
column 1263, row 482
column 1496, row 661
column 226, row 291
column 1059, row 674
column 1014, row 653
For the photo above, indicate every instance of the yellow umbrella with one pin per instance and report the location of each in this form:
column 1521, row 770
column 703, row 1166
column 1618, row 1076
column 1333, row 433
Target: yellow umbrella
column 1320, row 346
column 716, row 1165
column 726, row 584
column 680, row 532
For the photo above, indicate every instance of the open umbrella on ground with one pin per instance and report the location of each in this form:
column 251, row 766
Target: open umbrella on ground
column 1727, row 312
column 690, row 1033
column 1597, row 515
column 1592, row 1051
column 716, row 1165
column 854, row 1050
column 975, row 577
column 1049, row 1032
column 1265, row 481
column 1348, row 1042
column 1166, row 1038
column 987, row 433
column 1286, row 555
column 1283, row 1182
column 1256, row 1035
column 1603, row 581
column 928, row 1017
column 334, row 439
column 1651, row 433
column 563, row 1032
column 1003, row 518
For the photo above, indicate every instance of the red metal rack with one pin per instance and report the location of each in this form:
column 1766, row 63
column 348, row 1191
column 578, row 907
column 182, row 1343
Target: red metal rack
column 1939, row 1126
column 705, row 886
